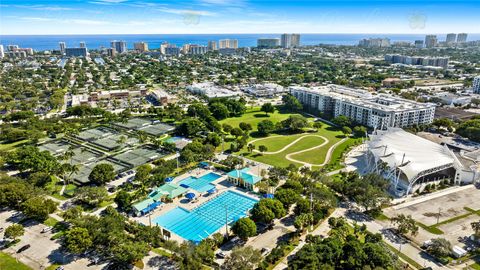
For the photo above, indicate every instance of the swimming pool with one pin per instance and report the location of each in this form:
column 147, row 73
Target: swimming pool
column 204, row 220
column 201, row 184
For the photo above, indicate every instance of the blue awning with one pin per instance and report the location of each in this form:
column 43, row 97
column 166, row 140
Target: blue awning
column 169, row 179
column 184, row 186
column 268, row 196
column 212, row 190
column 190, row 195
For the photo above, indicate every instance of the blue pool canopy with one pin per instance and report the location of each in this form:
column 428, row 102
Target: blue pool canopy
column 169, row 179
column 268, row 196
column 190, row 195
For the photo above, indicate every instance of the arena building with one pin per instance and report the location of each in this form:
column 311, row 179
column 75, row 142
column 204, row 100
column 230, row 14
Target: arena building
column 376, row 111
column 409, row 161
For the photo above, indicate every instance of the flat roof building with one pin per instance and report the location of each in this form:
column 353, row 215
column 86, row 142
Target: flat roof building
column 210, row 90
column 76, row 52
column 141, row 46
column 376, row 111
column 268, row 42
column 290, row 40
column 119, row 46
column 228, row 44
column 476, row 85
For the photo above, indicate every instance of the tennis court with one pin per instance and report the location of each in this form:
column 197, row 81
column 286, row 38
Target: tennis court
column 55, row 147
column 157, row 129
column 134, row 123
column 139, row 156
column 115, row 141
column 209, row 217
column 201, row 184
column 94, row 133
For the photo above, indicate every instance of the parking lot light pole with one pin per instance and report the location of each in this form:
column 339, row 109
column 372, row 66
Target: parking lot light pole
column 226, row 220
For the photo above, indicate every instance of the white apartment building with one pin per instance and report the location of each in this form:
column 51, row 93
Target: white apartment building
column 376, row 111
column 476, row 85
column 228, row 44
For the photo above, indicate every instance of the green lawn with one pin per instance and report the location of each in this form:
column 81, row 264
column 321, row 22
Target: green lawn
column 255, row 116
column 7, row 262
column 10, row 146
column 276, row 142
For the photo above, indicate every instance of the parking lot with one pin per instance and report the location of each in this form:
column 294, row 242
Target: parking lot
column 42, row 251
column 449, row 206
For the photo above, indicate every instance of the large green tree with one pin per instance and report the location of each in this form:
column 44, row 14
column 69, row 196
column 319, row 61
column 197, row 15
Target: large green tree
column 78, row 240
column 102, row 173
column 244, row 228
column 14, row 231
column 242, row 258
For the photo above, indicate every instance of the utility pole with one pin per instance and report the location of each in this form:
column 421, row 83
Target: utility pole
column 226, row 220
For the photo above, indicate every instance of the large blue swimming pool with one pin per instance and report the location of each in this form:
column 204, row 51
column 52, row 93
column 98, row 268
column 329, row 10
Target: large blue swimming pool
column 204, row 220
column 201, row 184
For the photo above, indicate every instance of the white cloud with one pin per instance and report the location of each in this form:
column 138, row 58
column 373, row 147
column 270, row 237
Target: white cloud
column 186, row 11
column 107, row 2
column 223, row 2
column 39, row 7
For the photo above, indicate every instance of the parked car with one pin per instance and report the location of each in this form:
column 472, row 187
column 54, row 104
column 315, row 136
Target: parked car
column 46, row 229
column 265, row 251
column 22, row 249
column 221, row 255
column 60, row 268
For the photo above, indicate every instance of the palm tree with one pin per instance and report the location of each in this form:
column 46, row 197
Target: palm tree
column 305, row 170
column 476, row 228
column 250, row 147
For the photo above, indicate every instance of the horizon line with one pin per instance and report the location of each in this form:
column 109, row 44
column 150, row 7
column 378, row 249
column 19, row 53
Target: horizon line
column 306, row 33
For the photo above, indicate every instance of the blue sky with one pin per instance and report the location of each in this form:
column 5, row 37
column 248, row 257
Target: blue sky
column 237, row 16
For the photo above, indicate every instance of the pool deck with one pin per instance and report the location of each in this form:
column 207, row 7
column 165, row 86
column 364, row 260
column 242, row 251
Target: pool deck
column 221, row 184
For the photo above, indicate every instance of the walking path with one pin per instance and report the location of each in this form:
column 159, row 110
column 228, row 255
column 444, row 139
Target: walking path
column 289, row 156
column 327, row 156
column 290, row 144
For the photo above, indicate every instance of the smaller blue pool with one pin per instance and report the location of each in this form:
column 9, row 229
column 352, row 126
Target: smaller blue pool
column 173, row 139
column 201, row 184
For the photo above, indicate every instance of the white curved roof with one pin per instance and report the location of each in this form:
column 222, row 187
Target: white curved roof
column 420, row 154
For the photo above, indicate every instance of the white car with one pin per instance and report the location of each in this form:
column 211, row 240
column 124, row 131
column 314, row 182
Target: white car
column 46, row 229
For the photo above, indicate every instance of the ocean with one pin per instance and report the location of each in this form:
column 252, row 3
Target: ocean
column 49, row 42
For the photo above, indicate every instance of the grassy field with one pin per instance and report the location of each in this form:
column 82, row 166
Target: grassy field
column 7, row 262
column 255, row 116
column 276, row 142
column 10, row 146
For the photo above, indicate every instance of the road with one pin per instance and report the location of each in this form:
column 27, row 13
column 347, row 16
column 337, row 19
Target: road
column 373, row 226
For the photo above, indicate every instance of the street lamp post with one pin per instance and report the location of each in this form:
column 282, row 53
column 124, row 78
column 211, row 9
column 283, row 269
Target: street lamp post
column 226, row 220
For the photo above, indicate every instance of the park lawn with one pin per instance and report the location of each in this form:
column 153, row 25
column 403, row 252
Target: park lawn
column 280, row 158
column 7, row 262
column 253, row 116
column 317, row 156
column 276, row 142
column 10, row 146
